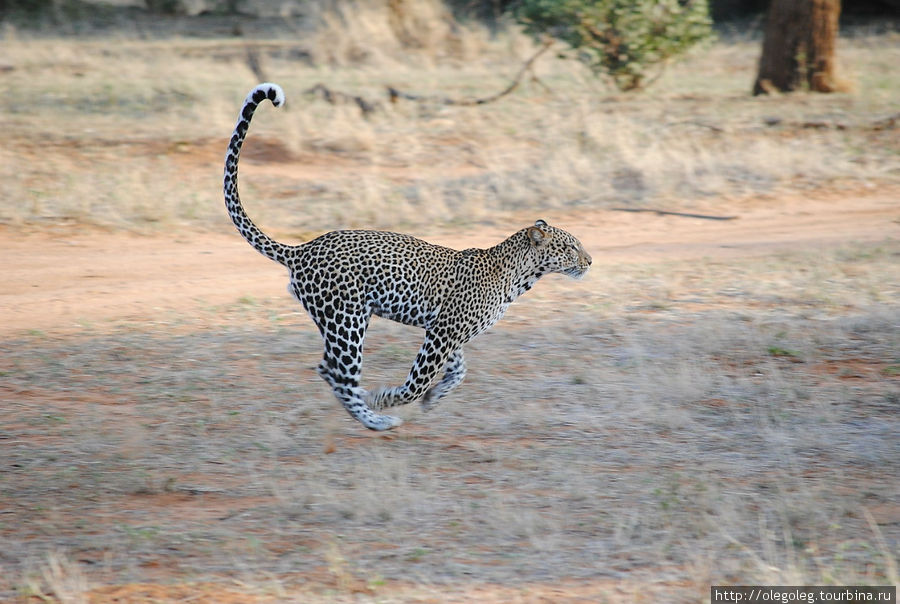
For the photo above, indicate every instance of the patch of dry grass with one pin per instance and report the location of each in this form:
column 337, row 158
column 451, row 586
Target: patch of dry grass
column 744, row 440
column 130, row 133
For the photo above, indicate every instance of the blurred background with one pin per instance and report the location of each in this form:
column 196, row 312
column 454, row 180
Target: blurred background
column 633, row 105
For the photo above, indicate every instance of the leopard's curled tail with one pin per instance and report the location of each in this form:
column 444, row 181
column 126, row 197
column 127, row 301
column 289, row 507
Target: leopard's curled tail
column 264, row 244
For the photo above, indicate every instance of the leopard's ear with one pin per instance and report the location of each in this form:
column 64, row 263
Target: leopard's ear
column 540, row 223
column 536, row 236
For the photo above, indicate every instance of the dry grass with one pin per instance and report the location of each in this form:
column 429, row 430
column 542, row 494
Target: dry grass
column 725, row 434
column 150, row 119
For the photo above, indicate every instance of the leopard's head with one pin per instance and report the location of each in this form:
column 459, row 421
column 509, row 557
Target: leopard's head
column 557, row 251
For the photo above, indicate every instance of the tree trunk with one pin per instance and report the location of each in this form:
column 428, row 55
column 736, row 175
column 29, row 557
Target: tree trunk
column 799, row 47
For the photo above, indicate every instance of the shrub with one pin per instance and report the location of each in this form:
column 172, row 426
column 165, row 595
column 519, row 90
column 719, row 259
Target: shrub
column 624, row 39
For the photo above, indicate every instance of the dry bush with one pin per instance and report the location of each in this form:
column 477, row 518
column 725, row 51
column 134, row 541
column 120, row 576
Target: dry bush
column 387, row 32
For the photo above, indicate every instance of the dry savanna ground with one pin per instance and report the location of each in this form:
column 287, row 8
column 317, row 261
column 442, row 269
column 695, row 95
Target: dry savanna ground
column 715, row 403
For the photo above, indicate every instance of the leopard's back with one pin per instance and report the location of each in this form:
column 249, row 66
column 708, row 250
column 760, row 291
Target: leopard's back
column 397, row 276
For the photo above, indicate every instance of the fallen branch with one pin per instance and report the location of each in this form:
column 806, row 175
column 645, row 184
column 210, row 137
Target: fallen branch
column 334, row 97
column 885, row 123
column 367, row 107
column 395, row 94
column 254, row 62
column 680, row 214
column 712, row 127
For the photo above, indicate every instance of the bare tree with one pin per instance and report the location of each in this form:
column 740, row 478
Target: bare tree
column 799, row 47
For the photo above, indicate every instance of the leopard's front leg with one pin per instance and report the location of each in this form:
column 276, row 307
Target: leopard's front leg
column 432, row 357
column 454, row 374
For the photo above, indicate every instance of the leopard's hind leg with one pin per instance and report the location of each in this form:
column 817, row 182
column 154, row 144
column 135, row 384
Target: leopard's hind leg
column 341, row 364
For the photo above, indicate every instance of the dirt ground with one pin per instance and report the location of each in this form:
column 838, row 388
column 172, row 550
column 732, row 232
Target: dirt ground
column 56, row 280
column 115, row 436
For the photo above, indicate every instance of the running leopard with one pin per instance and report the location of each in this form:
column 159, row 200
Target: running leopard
column 344, row 277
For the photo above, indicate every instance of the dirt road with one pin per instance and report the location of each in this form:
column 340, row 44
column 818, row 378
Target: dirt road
column 60, row 281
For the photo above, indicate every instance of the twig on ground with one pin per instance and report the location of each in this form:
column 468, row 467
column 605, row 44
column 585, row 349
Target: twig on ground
column 395, row 94
column 718, row 129
column 254, row 62
column 334, row 97
column 885, row 123
column 367, row 107
column 680, row 214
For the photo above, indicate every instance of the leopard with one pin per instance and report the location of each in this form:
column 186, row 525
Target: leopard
column 344, row 277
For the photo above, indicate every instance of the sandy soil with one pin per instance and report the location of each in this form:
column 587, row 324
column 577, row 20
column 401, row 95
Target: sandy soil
column 58, row 281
